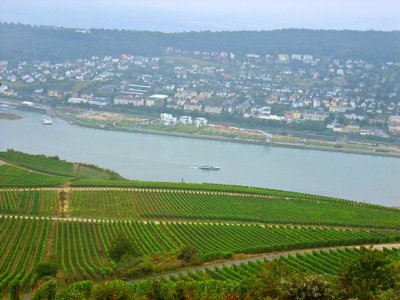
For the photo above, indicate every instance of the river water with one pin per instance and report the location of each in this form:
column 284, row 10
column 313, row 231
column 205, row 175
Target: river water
column 164, row 158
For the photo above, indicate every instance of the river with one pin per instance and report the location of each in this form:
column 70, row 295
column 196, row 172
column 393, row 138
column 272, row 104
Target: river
column 164, row 158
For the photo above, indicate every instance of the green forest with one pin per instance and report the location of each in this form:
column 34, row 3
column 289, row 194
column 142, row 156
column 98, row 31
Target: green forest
column 25, row 42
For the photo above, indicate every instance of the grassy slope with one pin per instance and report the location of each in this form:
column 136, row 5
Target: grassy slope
column 55, row 166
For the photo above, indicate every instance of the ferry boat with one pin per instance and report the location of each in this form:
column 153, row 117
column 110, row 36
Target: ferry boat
column 209, row 168
column 46, row 120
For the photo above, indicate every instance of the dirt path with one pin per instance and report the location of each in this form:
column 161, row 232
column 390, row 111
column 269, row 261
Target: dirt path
column 270, row 257
column 63, row 196
column 50, row 239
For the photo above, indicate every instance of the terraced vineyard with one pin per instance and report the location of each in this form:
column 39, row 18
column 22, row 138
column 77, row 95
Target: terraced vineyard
column 82, row 247
column 22, row 246
column 319, row 262
column 11, row 176
column 171, row 204
column 159, row 218
column 56, row 166
column 39, row 203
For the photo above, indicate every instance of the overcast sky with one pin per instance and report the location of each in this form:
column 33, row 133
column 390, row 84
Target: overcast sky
column 185, row 15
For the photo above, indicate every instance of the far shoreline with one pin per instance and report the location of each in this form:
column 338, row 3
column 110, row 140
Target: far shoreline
column 215, row 138
column 227, row 139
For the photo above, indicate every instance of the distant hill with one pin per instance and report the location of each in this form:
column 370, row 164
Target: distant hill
column 25, row 42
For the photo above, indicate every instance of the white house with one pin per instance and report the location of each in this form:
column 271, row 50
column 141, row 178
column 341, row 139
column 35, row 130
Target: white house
column 167, row 120
column 186, row 120
column 199, row 122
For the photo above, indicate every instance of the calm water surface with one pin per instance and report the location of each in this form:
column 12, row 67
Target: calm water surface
column 164, row 158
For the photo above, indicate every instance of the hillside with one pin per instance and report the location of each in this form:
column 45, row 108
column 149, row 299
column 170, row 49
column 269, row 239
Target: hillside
column 24, row 42
column 97, row 230
column 55, row 166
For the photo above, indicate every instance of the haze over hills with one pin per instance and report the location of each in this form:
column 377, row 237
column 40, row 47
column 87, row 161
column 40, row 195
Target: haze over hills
column 25, row 42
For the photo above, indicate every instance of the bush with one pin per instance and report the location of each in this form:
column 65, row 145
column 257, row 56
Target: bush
column 46, row 268
column 115, row 290
column 77, row 291
column 308, row 288
column 47, row 291
column 368, row 274
column 121, row 246
column 15, row 288
column 134, row 267
column 189, row 255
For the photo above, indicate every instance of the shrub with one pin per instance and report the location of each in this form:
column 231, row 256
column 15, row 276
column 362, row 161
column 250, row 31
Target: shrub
column 15, row 288
column 115, row 290
column 77, row 291
column 189, row 255
column 368, row 274
column 311, row 287
column 121, row 246
column 47, row 291
column 46, row 268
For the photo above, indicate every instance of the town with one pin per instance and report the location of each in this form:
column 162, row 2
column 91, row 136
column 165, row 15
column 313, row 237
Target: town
column 287, row 91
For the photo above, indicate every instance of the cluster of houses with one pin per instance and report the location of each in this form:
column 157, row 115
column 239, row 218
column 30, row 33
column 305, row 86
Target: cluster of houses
column 286, row 88
column 170, row 120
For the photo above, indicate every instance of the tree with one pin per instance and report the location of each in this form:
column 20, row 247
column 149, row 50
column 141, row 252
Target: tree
column 115, row 290
column 189, row 254
column 47, row 291
column 46, row 268
column 15, row 288
column 368, row 274
column 120, row 246
column 309, row 287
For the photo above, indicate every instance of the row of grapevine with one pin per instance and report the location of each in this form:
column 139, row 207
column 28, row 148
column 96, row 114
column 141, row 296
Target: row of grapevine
column 103, row 204
column 169, row 204
column 22, row 246
column 214, row 187
column 15, row 177
column 82, row 247
column 39, row 203
column 41, row 163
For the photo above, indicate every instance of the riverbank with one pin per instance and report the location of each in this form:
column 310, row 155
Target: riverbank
column 77, row 122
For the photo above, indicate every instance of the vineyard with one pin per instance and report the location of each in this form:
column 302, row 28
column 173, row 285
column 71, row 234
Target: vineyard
column 39, row 163
column 319, row 262
column 175, row 204
column 22, row 246
column 75, row 223
column 55, row 166
column 37, row 203
column 11, row 176
column 81, row 248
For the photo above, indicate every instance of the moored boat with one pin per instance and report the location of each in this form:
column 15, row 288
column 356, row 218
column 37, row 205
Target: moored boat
column 46, row 120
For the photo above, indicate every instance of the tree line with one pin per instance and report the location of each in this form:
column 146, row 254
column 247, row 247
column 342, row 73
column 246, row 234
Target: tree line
column 26, row 42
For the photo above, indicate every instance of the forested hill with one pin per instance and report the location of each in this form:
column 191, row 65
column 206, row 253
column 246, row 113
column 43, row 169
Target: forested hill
column 24, row 42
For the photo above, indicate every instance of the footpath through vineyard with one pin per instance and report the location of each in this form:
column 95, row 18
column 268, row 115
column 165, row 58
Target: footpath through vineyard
column 224, row 264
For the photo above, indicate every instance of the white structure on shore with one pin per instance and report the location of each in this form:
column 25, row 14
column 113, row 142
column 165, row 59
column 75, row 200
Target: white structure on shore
column 199, row 122
column 168, row 120
column 186, row 120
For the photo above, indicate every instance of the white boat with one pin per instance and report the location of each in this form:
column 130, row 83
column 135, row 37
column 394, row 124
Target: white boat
column 209, row 168
column 46, row 120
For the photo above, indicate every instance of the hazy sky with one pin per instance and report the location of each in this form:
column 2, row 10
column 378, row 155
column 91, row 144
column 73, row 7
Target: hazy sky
column 185, row 15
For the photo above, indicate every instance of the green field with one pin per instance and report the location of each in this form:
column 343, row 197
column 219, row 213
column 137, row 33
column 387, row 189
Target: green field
column 81, row 248
column 55, row 166
column 175, row 204
column 36, row 203
column 11, row 176
column 70, row 214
